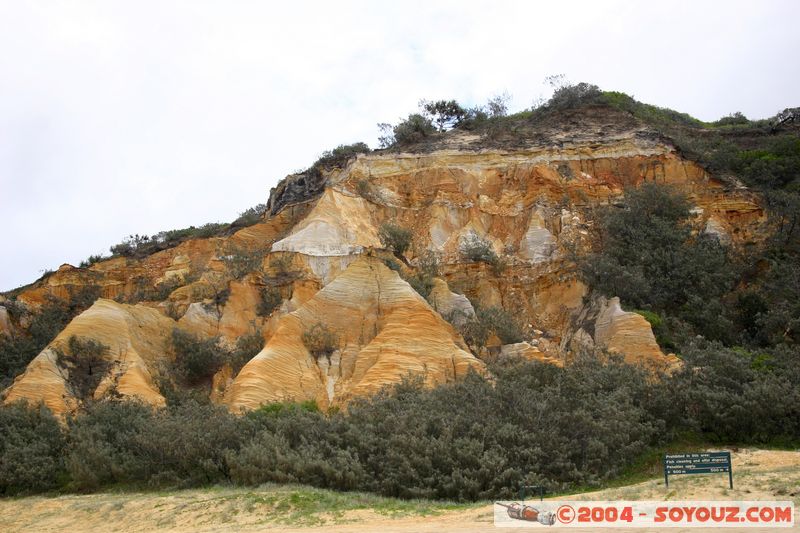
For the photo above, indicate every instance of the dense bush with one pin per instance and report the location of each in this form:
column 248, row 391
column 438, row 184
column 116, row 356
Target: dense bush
column 647, row 255
column 282, row 266
column 738, row 395
column 269, row 299
column 196, row 359
column 486, row 322
column 531, row 423
column 567, row 95
column 413, row 129
column 31, row 449
column 86, row 364
column 127, row 442
column 340, row 155
column 475, row 249
column 92, row 259
column 15, row 354
column 733, row 119
column 247, row 347
column 445, row 114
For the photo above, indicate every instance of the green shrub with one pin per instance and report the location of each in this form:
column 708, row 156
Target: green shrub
column 445, row 114
column 427, row 269
column 363, row 189
column 250, row 216
column 218, row 293
column 130, row 245
column 734, row 395
column 86, row 364
column 732, row 120
column 660, row 329
column 648, row 257
column 320, row 341
column 31, row 449
column 531, row 423
column 247, row 347
column 413, row 129
column 475, row 249
column 240, row 262
column 15, row 354
column 196, row 359
column 487, row 321
column 660, row 117
column 339, row 156
column 102, row 444
column 392, row 264
column 270, row 298
column 143, row 245
column 125, row 442
column 165, row 288
column 567, row 95
column 395, row 238
column 272, row 409
column 92, row 259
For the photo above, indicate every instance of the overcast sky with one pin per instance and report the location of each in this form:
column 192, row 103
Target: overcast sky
column 137, row 116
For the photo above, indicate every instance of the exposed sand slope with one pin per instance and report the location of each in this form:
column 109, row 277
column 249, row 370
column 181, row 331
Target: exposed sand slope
column 374, row 314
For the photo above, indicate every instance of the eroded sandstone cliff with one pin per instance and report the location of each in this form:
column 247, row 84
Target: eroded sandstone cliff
column 531, row 197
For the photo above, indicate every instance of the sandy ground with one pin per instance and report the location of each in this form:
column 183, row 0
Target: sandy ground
column 758, row 474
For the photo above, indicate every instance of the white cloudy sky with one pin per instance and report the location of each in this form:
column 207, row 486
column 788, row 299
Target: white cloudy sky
column 139, row 116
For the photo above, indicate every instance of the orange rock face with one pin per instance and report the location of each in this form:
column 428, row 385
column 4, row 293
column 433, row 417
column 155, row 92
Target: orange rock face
column 530, row 201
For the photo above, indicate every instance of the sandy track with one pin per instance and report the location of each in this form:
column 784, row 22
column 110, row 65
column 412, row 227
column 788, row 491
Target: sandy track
column 758, row 474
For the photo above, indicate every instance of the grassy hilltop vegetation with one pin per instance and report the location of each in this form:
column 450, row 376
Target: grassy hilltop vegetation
column 732, row 315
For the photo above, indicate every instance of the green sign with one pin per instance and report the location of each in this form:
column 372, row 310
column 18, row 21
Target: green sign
column 697, row 463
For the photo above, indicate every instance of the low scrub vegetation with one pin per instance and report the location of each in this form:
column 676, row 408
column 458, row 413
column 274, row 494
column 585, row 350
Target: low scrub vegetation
column 270, row 298
column 247, row 347
column 196, row 359
column 489, row 321
column 476, row 249
column 144, row 245
column 531, row 424
column 239, row 262
column 320, row 341
column 427, row 269
column 250, row 216
column 395, row 238
column 340, row 155
column 32, row 450
column 86, row 364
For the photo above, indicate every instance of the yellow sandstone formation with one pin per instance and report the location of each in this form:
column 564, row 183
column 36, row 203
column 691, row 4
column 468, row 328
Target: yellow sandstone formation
column 384, row 330
column 136, row 338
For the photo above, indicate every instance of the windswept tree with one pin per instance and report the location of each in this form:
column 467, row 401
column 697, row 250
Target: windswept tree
column 444, row 114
